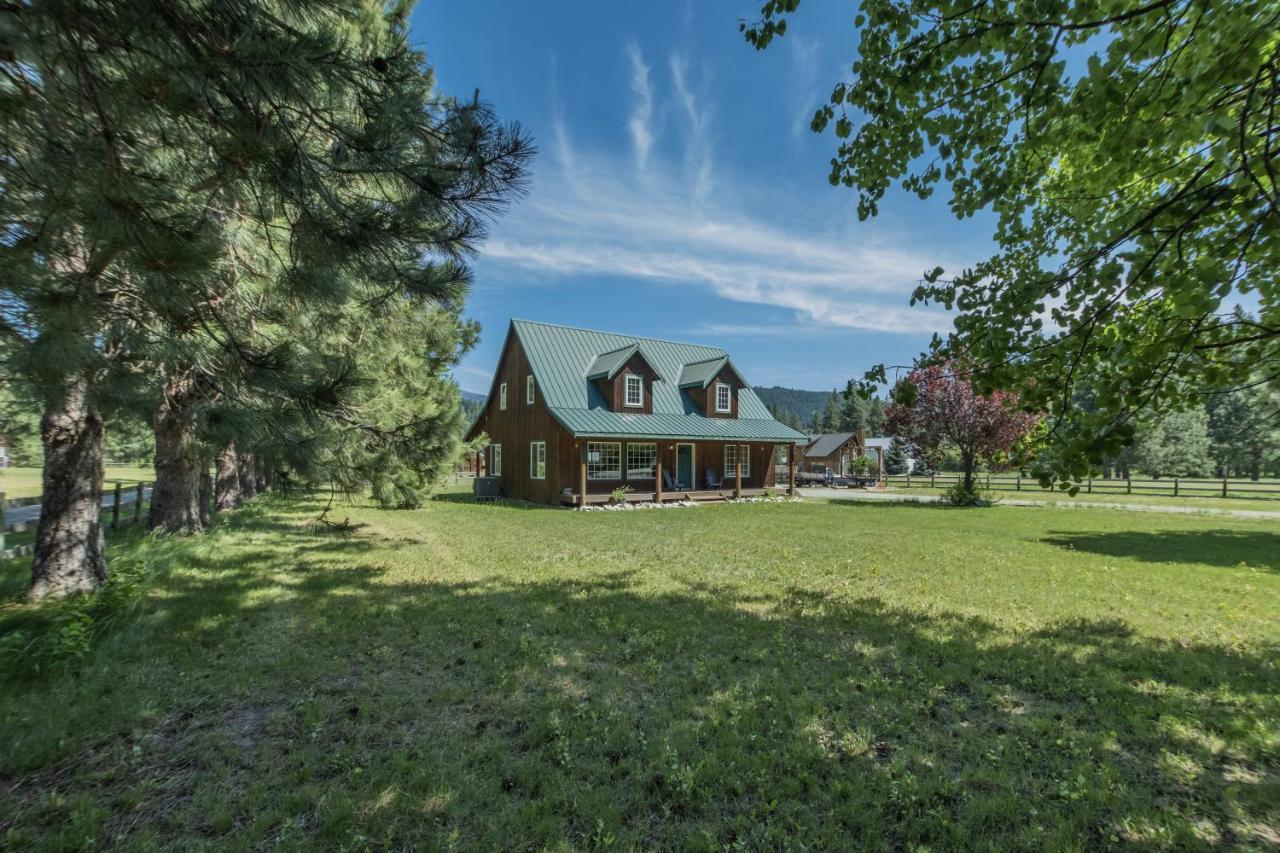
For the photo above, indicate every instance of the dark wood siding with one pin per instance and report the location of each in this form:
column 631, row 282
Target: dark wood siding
column 520, row 425
column 706, row 397
column 635, row 366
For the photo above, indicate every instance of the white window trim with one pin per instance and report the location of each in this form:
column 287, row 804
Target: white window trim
column 528, row 390
column 495, row 460
column 728, row 406
column 611, row 474
column 648, row 473
column 534, row 448
column 626, row 391
column 502, row 397
column 737, row 449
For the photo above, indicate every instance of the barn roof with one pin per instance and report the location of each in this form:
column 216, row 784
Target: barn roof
column 827, row 443
column 564, row 360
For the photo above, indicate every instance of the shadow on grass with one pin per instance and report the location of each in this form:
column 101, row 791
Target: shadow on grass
column 1208, row 547
column 321, row 700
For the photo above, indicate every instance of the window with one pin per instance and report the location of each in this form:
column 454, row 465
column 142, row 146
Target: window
column 635, row 391
column 502, row 397
column 732, row 453
column 604, row 460
column 495, row 460
column 528, row 389
column 724, row 398
column 642, row 460
column 538, row 460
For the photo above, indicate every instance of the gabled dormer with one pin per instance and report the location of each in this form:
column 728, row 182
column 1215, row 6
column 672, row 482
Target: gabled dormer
column 624, row 378
column 714, row 386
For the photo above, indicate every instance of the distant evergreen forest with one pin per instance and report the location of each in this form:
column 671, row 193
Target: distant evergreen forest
column 804, row 405
column 823, row 411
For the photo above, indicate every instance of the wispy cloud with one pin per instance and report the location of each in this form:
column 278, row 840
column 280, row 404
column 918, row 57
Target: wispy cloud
column 641, row 123
column 593, row 213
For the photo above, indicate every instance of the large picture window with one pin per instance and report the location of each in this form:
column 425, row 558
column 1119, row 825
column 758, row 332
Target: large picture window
column 724, row 398
column 495, row 460
column 732, row 453
column 538, row 460
column 642, row 460
column 604, row 460
column 634, row 391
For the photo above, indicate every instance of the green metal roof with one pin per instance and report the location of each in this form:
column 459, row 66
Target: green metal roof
column 698, row 374
column 608, row 364
column 563, row 358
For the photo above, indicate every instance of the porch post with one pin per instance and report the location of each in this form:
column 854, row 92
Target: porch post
column 582, row 475
column 657, row 483
column 737, row 471
column 791, row 470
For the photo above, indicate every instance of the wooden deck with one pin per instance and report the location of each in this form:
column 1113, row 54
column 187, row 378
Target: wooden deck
column 678, row 495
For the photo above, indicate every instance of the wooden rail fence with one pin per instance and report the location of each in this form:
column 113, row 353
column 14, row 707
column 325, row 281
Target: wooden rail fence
column 1177, row 487
column 122, row 513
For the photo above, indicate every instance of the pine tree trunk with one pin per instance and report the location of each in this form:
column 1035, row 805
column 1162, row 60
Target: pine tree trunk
column 69, row 555
column 206, row 494
column 259, row 476
column 175, row 502
column 228, row 478
column 248, row 483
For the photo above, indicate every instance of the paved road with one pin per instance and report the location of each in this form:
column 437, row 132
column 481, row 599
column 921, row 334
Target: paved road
column 31, row 513
column 900, row 497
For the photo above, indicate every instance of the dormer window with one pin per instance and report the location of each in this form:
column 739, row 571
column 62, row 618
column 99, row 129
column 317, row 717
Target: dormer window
column 634, row 395
column 724, row 398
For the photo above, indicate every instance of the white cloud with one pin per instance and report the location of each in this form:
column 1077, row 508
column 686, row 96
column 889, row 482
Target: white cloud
column 641, row 123
column 593, row 213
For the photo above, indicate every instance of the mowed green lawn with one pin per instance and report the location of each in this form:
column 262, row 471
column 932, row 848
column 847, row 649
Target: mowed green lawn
column 767, row 675
column 26, row 482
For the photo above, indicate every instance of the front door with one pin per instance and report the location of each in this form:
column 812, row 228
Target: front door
column 684, row 466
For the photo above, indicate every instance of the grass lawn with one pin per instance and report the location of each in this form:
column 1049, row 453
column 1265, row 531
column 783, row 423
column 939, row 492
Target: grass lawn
column 838, row 674
column 25, row 482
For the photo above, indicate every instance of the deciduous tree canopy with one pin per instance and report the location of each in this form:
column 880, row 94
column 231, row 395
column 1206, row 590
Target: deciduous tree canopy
column 1129, row 152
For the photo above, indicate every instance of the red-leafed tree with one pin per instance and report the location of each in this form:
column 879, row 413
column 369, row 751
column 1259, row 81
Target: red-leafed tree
column 935, row 408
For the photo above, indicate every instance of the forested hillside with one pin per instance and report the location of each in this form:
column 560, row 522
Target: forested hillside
column 803, row 404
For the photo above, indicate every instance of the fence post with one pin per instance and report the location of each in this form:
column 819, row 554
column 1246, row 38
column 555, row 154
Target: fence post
column 988, row 481
column 931, row 476
column 1175, row 487
column 1224, row 487
column 1089, row 487
column 137, row 504
column 908, row 478
column 115, row 508
column 1019, row 482
column 1128, row 485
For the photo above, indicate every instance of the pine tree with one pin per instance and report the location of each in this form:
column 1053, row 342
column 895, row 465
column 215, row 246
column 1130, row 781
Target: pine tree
column 1175, row 445
column 853, row 413
column 153, row 149
column 895, row 459
column 831, row 415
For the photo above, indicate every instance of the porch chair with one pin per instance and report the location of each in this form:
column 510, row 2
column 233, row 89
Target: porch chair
column 669, row 482
column 713, row 480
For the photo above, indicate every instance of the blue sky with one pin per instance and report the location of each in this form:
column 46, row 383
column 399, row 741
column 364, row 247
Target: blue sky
column 678, row 192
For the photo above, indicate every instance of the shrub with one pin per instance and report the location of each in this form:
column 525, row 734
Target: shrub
column 958, row 495
column 619, row 494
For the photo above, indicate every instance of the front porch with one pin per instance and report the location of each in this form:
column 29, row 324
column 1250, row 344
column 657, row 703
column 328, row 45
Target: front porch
column 672, row 469
column 574, row 498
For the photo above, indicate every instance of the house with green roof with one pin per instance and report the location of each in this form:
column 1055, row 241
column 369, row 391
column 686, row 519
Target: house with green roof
column 573, row 415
